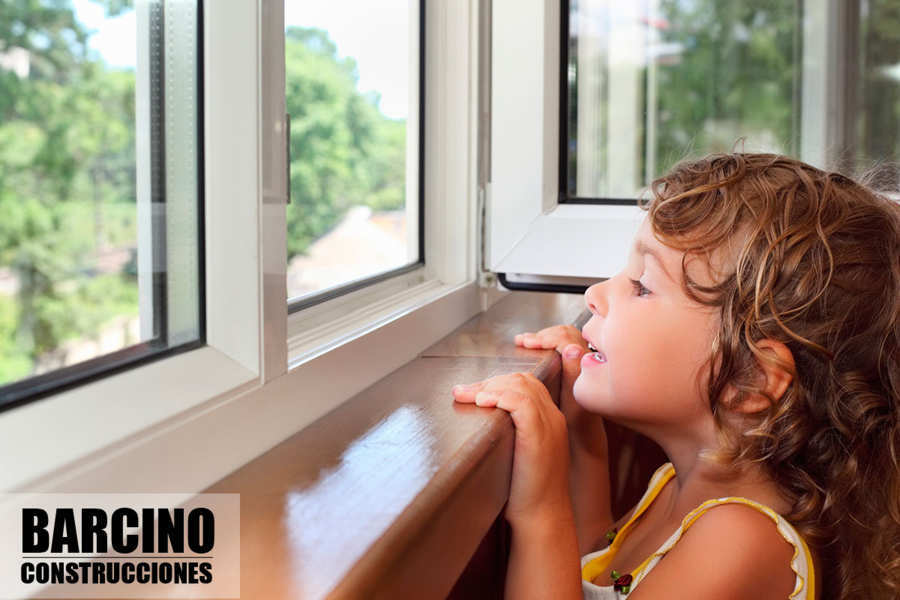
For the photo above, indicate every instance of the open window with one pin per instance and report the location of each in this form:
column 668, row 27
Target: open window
column 592, row 100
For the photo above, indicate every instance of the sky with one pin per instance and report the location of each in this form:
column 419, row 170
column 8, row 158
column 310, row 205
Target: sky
column 375, row 33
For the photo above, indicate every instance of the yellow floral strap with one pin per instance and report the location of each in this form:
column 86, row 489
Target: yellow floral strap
column 600, row 564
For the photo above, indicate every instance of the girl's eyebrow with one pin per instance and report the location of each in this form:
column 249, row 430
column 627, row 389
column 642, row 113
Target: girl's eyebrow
column 643, row 248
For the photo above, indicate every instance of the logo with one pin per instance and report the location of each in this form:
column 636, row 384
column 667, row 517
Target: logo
column 119, row 545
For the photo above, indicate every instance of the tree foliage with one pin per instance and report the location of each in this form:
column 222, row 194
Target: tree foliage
column 67, row 170
column 879, row 122
column 735, row 76
column 66, row 183
column 344, row 152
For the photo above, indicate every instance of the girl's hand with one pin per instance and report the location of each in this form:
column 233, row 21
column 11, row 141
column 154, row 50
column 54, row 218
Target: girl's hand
column 586, row 429
column 540, row 477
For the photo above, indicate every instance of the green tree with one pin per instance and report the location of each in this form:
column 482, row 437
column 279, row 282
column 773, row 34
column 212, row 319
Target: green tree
column 387, row 167
column 734, row 76
column 14, row 364
column 66, row 182
column 344, row 152
column 879, row 121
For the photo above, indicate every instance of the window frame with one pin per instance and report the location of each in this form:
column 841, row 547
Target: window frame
column 155, row 265
column 184, row 422
column 446, row 224
column 534, row 242
column 537, row 241
column 564, row 197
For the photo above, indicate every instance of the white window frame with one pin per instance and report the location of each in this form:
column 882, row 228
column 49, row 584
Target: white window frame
column 448, row 178
column 181, row 423
column 532, row 238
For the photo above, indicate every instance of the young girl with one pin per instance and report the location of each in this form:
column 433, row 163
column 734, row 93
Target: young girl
column 754, row 336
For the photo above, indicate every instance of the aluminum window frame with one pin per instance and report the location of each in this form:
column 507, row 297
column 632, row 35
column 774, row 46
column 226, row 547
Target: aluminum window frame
column 76, row 427
column 536, row 241
column 153, row 181
column 182, row 423
column 533, row 242
column 447, row 136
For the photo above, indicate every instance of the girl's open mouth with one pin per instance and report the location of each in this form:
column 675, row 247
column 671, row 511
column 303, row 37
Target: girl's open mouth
column 593, row 357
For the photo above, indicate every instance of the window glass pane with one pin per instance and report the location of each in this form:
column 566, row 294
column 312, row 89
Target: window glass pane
column 878, row 88
column 99, row 241
column 652, row 82
column 351, row 70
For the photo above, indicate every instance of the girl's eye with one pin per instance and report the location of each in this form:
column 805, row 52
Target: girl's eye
column 639, row 287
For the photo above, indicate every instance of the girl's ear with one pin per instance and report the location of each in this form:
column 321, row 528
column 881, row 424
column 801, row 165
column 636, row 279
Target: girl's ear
column 773, row 378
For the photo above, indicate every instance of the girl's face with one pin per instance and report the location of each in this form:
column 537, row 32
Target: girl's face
column 654, row 340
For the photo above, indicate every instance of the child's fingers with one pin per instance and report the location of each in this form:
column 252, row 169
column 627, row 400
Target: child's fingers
column 571, row 369
column 507, row 392
column 467, row 392
column 526, row 339
column 531, row 418
column 556, row 337
column 534, row 340
column 487, row 398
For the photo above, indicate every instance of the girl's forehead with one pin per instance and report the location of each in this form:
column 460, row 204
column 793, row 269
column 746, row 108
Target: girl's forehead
column 646, row 244
column 661, row 256
column 706, row 268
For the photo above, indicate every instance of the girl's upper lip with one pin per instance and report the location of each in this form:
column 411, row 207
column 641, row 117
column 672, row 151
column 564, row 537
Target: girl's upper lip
column 591, row 342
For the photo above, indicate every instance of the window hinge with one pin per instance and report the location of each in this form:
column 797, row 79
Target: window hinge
column 487, row 279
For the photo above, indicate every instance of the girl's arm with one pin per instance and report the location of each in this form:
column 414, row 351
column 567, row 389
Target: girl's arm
column 589, row 488
column 544, row 560
column 589, row 473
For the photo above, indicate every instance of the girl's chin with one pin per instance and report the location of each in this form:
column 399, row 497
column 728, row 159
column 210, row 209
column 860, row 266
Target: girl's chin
column 584, row 395
column 595, row 408
column 594, row 402
column 585, row 401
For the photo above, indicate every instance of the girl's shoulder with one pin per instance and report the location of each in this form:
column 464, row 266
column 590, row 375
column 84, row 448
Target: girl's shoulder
column 742, row 549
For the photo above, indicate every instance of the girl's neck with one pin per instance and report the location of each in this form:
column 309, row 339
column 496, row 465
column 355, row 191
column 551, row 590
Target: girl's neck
column 698, row 479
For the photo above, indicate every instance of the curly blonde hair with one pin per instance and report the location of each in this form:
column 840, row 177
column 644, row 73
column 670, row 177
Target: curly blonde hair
column 818, row 269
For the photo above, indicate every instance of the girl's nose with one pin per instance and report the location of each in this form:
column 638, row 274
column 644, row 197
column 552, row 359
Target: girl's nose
column 595, row 298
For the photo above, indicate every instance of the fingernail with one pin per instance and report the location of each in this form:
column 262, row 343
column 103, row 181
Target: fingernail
column 573, row 352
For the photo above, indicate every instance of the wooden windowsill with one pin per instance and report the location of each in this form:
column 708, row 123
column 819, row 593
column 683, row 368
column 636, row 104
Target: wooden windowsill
column 391, row 494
